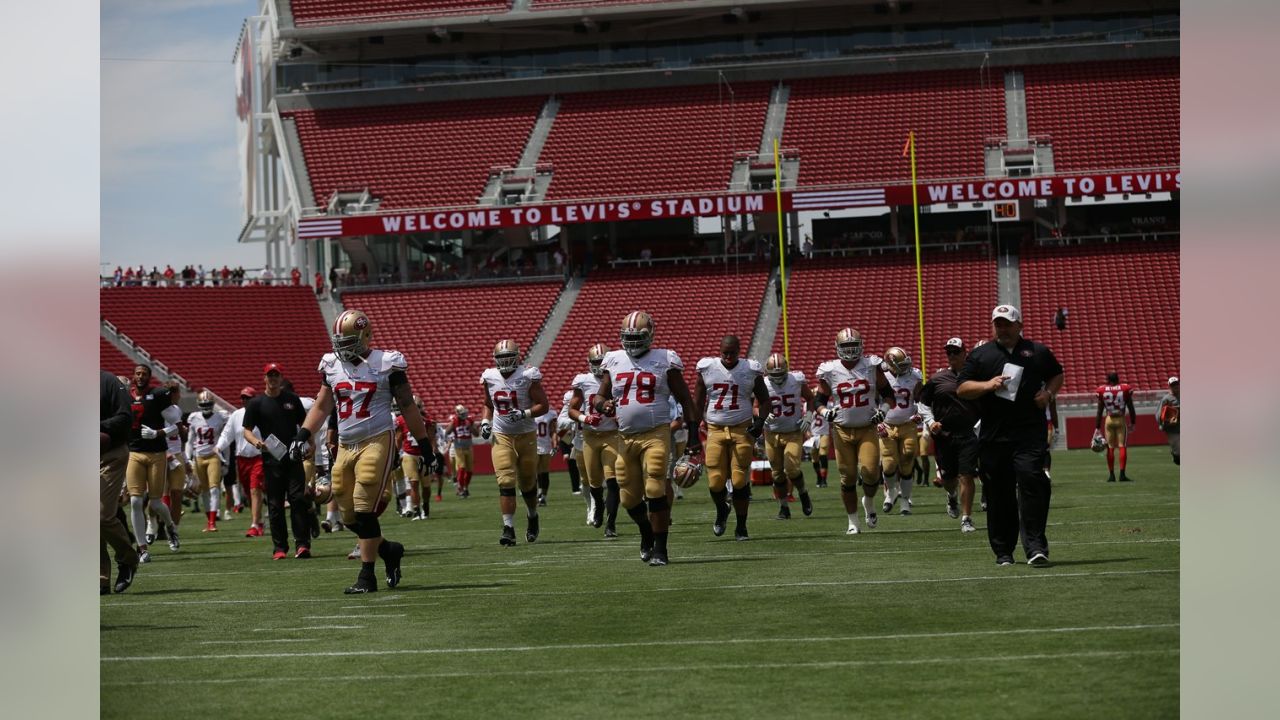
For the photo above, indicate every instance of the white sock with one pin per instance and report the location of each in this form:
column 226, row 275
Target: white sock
column 853, row 519
column 162, row 512
column 333, row 517
column 151, row 521
column 215, row 498
column 138, row 512
column 964, row 518
column 904, row 490
column 508, row 520
column 889, row 493
column 868, row 505
column 235, row 494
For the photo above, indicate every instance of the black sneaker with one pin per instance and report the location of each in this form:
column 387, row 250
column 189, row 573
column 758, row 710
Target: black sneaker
column 508, row 538
column 740, row 532
column 1004, row 560
column 531, row 533
column 784, row 512
column 821, row 483
column 542, row 499
column 610, row 533
column 646, row 549
column 1038, row 560
column 722, row 516
column 1111, row 477
column 659, row 559
column 953, row 508
column 363, row 585
column 150, row 538
column 597, row 516
column 1125, row 478
column 395, row 553
column 806, row 505
column 173, row 538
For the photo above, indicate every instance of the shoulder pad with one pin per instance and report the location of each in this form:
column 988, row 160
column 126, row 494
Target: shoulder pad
column 705, row 363
column 674, row 359
column 799, row 376
column 755, row 366
column 533, row 373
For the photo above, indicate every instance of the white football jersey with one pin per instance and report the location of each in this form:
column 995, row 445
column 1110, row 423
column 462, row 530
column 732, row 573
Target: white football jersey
column 729, row 390
column 677, row 413
column 547, row 432
column 511, row 393
column 172, row 435
column 904, row 405
column 573, row 436
column 786, row 405
column 362, row 393
column 818, row 425
column 853, row 390
column 590, row 385
column 203, row 432
column 640, row 388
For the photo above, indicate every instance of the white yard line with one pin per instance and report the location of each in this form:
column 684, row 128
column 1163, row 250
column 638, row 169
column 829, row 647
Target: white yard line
column 308, row 627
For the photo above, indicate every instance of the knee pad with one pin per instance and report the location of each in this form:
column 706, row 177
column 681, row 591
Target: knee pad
column 507, row 492
column 529, row 494
column 657, row 505
column 367, row 526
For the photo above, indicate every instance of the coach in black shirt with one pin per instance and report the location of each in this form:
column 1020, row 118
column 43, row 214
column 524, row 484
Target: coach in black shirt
column 1013, row 379
column 279, row 412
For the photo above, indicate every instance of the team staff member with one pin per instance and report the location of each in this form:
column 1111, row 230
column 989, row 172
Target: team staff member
column 1013, row 379
column 1167, row 417
column 115, row 417
column 279, row 412
column 950, row 420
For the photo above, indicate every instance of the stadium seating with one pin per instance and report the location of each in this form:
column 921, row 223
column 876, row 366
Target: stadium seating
column 1123, row 310
column 657, row 140
column 876, row 296
column 692, row 308
column 557, row 4
column 853, row 129
column 447, row 334
column 332, row 12
column 112, row 360
column 220, row 337
column 414, row 156
column 1106, row 116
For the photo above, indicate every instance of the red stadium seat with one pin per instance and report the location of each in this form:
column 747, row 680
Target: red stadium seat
column 112, row 360
column 332, row 12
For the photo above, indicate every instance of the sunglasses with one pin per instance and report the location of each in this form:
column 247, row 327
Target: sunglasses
column 954, row 351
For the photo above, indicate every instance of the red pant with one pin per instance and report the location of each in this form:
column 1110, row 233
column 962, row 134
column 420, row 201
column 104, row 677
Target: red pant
column 249, row 470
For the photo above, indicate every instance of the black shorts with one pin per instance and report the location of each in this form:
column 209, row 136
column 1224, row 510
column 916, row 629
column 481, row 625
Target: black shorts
column 957, row 454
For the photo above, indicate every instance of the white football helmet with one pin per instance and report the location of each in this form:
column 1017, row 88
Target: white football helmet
column 1099, row 443
column 351, row 335
column 461, row 411
column 506, row 356
column 897, row 360
column 776, row 368
column 204, row 401
column 687, row 470
column 595, row 359
column 637, row 333
column 849, row 345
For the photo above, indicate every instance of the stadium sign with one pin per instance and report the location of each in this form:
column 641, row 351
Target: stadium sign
column 483, row 218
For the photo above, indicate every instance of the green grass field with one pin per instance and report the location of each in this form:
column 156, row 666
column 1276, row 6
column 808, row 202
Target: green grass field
column 912, row 619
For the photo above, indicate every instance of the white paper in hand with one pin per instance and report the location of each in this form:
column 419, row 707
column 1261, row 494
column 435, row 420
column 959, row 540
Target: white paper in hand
column 1010, row 389
column 275, row 447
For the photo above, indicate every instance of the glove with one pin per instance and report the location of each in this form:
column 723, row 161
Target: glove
column 805, row 426
column 148, row 433
column 756, row 431
column 830, row 414
column 770, row 418
column 917, row 418
column 486, row 429
column 516, row 415
column 882, row 430
column 299, row 449
column 592, row 420
column 437, row 466
column 878, row 416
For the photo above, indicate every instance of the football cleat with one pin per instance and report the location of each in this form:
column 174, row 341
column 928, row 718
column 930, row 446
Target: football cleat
column 597, row 515
column 953, row 508
column 350, row 335
column 302, row 553
column 806, row 505
column 888, row 505
column 173, row 538
column 542, row 499
column 610, row 533
column 740, row 532
column 1111, row 478
column 722, row 516
column 395, row 553
column 646, row 549
column 531, row 533
column 124, row 577
column 1038, row 560
column 362, row 586
column 687, row 470
column 966, row 526
column 354, row 554
column 853, row 529
column 151, row 537
column 1125, row 478
column 906, row 510
column 871, row 521
column 784, row 512
column 659, row 559
column 144, row 556
column 508, row 538
column 849, row 345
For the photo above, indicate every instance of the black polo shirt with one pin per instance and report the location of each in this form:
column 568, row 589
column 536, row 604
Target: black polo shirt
column 147, row 411
column 956, row 414
column 1019, row 420
column 281, row 416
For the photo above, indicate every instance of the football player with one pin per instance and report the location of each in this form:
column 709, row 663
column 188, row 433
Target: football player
column 569, row 432
column 951, row 420
column 789, row 400
column 513, row 397
column 853, row 381
column 248, row 461
column 145, row 476
column 1169, row 420
column 179, row 466
column 600, row 443
column 899, row 440
column 725, row 388
column 820, row 438
column 361, row 383
column 634, row 387
column 679, row 439
column 546, row 425
column 461, row 430
column 1114, row 400
column 203, row 428
column 414, row 462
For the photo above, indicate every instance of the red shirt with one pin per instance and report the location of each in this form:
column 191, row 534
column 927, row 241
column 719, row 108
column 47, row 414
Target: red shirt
column 407, row 445
column 1114, row 398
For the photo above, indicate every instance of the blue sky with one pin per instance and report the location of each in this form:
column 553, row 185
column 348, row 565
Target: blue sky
column 170, row 185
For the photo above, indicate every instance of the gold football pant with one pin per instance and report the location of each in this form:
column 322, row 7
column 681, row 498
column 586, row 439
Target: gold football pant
column 600, row 455
column 857, row 455
column 824, row 445
column 209, row 471
column 544, row 463
column 463, row 458
column 784, row 452
column 515, row 460
column 643, row 461
column 728, row 455
column 1116, row 431
column 146, row 474
column 409, row 466
column 898, row 450
column 362, row 475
